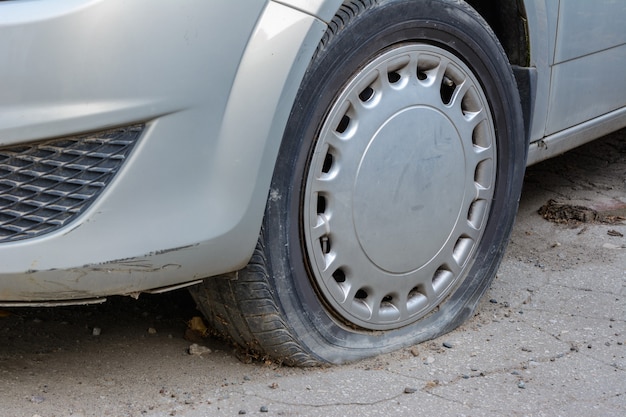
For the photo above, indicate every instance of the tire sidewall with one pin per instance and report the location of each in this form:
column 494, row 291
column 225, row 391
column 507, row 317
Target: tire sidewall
column 451, row 26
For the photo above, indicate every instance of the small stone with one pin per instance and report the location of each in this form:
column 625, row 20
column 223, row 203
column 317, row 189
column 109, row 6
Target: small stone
column 241, row 412
column 246, row 378
column 96, row 331
column 415, row 352
column 264, row 409
column 447, row 345
column 198, row 350
column 410, row 390
column 274, row 385
column 521, row 385
column 152, row 330
column 493, row 301
column 610, row 246
column 429, row 360
column 465, row 376
column 37, row 399
column 589, row 346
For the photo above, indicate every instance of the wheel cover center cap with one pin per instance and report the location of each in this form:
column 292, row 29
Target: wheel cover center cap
column 397, row 190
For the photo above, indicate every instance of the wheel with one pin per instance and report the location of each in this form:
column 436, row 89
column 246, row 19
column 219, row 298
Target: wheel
column 394, row 194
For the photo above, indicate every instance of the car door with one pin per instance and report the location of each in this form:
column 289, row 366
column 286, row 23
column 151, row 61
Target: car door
column 588, row 77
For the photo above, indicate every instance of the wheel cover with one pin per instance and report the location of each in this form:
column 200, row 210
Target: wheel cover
column 399, row 186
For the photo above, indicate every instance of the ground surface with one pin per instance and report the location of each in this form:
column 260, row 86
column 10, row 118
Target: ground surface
column 548, row 339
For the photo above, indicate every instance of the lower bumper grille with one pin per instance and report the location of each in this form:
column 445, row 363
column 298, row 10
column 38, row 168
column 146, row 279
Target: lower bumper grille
column 45, row 185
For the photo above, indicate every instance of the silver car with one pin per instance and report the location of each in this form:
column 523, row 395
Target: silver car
column 332, row 179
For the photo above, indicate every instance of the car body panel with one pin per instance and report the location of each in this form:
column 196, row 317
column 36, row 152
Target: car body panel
column 149, row 229
column 189, row 201
column 603, row 23
column 322, row 9
column 581, row 89
column 541, row 18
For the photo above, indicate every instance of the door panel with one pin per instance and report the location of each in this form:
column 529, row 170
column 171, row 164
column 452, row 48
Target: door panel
column 588, row 78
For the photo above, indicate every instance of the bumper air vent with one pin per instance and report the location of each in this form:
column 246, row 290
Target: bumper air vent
column 45, row 185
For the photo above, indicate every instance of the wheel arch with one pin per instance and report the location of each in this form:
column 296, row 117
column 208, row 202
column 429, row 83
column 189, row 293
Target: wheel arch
column 509, row 22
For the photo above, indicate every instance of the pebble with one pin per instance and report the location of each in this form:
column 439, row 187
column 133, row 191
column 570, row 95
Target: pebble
column 610, row 246
column 493, row 301
column 429, row 360
column 447, row 345
column 37, row 399
column 241, row 412
column 521, row 385
column 152, row 330
column 96, row 331
column 198, row 350
column 264, row 409
column 410, row 390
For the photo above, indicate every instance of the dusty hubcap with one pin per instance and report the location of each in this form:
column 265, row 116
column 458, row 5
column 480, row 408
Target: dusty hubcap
column 399, row 187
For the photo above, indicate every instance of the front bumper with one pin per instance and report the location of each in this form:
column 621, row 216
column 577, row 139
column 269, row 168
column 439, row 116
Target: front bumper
column 188, row 201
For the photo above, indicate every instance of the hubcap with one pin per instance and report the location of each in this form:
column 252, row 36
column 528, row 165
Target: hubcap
column 399, row 187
